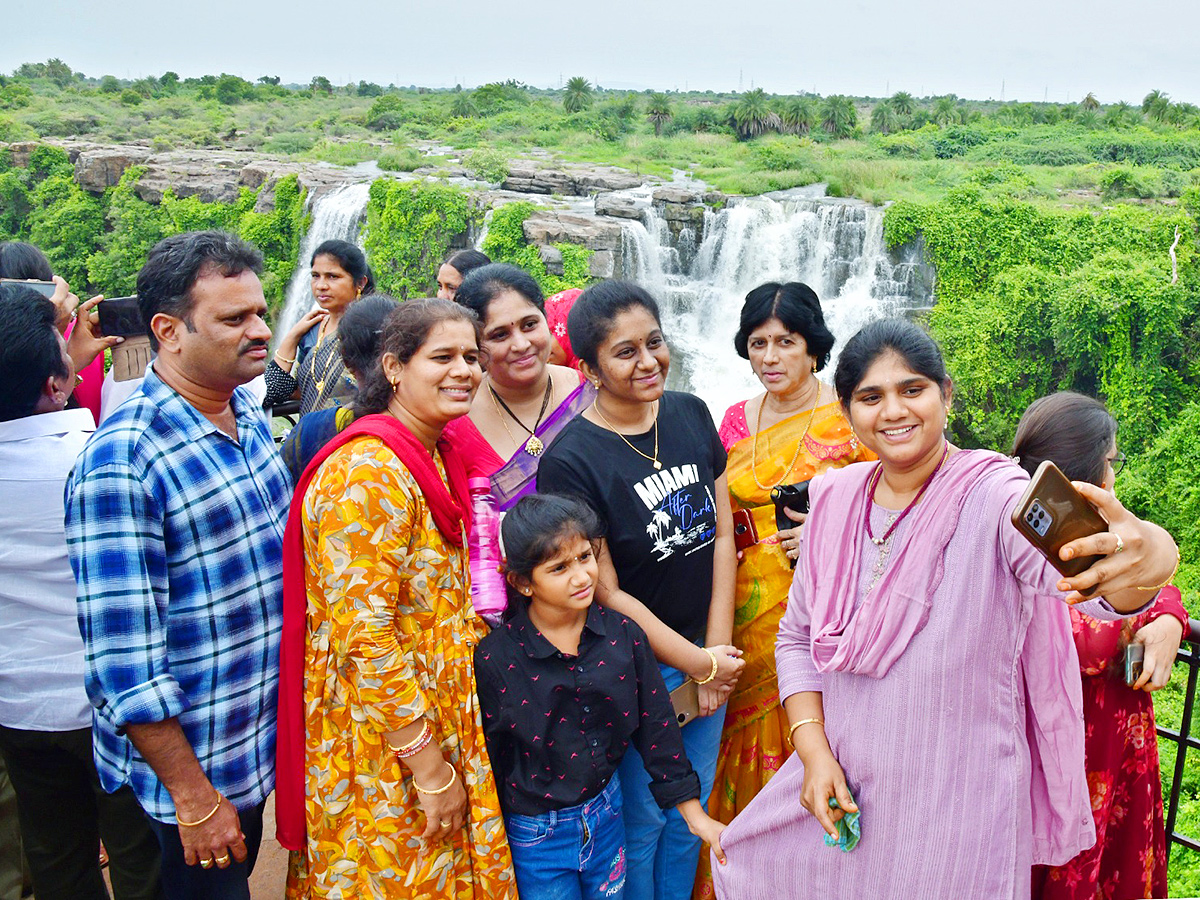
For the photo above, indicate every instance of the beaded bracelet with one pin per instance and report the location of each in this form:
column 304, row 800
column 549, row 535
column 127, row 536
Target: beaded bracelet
column 713, row 673
column 405, row 748
column 449, row 784
column 412, row 749
column 179, row 821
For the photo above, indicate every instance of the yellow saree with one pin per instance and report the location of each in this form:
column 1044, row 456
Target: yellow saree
column 754, row 742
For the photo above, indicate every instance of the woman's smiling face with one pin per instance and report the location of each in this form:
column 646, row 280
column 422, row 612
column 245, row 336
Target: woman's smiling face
column 516, row 340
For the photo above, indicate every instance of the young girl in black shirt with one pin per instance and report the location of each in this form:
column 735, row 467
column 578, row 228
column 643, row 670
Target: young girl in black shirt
column 565, row 686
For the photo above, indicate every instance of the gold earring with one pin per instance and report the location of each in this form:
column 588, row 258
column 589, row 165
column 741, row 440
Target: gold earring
column 395, row 385
column 358, row 293
column 526, row 591
column 814, row 368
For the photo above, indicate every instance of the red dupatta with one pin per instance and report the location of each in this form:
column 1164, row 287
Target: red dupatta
column 451, row 510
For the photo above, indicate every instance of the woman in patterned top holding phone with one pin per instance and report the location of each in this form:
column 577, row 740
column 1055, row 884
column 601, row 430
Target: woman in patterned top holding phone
column 1129, row 858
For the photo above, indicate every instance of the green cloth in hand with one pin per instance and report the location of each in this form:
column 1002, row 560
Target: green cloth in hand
column 849, row 829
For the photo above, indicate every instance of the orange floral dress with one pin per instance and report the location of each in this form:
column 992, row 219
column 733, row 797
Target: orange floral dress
column 391, row 637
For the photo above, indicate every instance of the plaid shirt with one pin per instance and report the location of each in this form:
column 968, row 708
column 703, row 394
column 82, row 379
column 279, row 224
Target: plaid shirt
column 175, row 533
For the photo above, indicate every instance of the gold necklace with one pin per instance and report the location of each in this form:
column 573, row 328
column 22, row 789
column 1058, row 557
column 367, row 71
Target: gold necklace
column 799, row 445
column 534, row 445
column 654, row 458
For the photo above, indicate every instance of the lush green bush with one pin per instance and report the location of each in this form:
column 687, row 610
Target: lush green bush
column 1033, row 300
column 505, row 242
column 399, row 159
column 490, row 166
column 410, row 229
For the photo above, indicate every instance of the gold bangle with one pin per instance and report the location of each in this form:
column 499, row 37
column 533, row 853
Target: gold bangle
column 420, row 737
column 279, row 358
column 792, row 730
column 443, row 788
column 1170, row 578
column 713, row 673
column 180, row 822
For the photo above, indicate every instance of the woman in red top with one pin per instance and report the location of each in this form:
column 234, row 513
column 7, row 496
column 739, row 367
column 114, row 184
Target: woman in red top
column 1129, row 858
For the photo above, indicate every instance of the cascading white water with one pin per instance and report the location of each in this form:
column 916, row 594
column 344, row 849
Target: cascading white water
column 834, row 246
column 336, row 215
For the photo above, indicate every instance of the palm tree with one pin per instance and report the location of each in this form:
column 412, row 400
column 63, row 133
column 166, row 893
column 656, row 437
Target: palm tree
column 1090, row 102
column 659, row 112
column 885, row 118
column 797, row 115
column 1088, row 118
column 838, row 115
column 1157, row 106
column 752, row 115
column 945, row 111
column 1122, row 115
column 903, row 103
column 578, row 94
column 462, row 105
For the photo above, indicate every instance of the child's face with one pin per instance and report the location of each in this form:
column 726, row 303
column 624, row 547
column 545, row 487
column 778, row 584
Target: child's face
column 567, row 579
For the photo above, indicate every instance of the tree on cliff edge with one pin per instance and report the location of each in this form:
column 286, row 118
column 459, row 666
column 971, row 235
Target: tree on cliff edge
column 578, row 94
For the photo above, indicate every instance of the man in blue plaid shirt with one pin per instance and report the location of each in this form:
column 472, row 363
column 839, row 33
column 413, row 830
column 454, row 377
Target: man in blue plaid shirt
column 175, row 518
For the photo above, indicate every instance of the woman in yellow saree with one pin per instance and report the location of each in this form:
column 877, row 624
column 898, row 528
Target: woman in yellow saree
column 788, row 434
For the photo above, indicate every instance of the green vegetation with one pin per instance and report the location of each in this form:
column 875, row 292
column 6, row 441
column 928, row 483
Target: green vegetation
column 410, row 226
column 896, row 148
column 505, row 242
column 98, row 243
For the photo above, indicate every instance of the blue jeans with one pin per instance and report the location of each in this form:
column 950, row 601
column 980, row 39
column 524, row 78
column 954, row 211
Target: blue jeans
column 184, row 882
column 575, row 853
column 661, row 853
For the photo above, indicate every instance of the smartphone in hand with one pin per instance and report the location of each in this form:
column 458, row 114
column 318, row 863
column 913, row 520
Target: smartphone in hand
column 1052, row 513
column 121, row 317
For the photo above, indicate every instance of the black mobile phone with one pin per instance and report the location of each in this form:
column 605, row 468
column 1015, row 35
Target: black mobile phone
column 1051, row 513
column 121, row 317
column 45, row 288
column 789, row 496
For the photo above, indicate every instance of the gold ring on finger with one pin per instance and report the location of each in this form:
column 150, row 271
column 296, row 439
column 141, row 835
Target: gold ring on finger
column 206, row 863
column 1120, row 544
column 222, row 860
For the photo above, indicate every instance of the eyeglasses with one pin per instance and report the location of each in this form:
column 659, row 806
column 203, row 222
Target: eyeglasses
column 1117, row 462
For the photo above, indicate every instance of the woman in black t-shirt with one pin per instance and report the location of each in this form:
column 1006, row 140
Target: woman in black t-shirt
column 651, row 464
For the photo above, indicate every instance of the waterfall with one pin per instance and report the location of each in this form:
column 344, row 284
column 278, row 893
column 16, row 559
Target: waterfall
column 834, row 246
column 336, row 214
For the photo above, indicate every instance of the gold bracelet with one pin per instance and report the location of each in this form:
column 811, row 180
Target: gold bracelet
column 713, row 673
column 792, row 730
column 441, row 790
column 420, row 737
column 179, row 821
column 1170, row 578
column 279, row 358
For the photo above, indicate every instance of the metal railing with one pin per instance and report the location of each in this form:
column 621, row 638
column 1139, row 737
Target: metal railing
column 289, row 410
column 1189, row 655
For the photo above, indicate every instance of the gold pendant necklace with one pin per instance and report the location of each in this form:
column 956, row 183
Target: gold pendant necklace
column 534, row 445
column 654, row 458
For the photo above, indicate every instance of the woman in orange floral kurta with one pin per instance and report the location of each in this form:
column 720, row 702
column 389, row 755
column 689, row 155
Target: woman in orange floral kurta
column 391, row 633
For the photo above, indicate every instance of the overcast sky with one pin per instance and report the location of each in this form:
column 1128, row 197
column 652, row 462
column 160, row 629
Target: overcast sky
column 1016, row 50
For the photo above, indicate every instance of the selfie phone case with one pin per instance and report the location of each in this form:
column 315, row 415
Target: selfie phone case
column 686, row 700
column 1052, row 513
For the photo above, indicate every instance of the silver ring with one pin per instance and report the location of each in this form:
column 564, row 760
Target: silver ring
column 1120, row 544
column 446, row 824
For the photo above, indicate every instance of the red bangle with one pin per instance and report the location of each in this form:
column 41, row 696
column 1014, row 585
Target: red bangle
column 412, row 749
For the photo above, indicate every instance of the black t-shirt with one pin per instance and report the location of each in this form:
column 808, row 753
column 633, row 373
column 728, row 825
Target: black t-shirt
column 662, row 523
column 557, row 726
